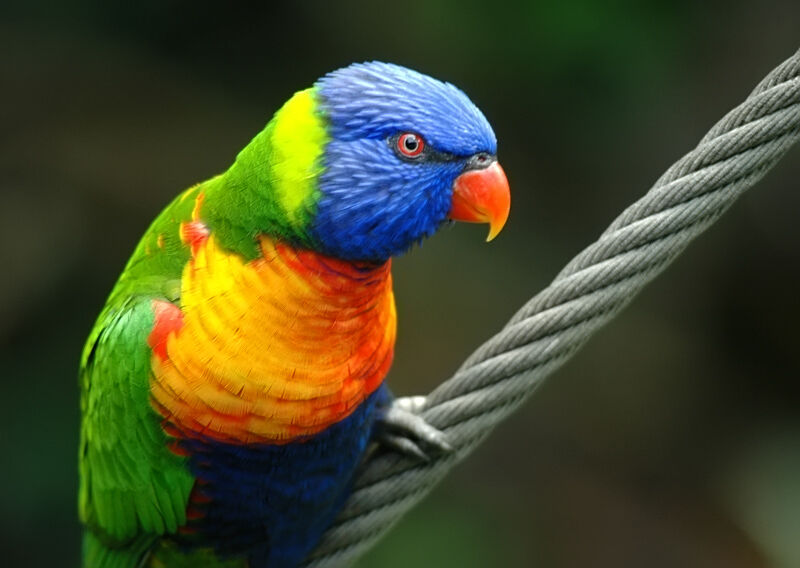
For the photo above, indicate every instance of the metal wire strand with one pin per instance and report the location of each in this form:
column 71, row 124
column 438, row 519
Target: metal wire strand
column 591, row 289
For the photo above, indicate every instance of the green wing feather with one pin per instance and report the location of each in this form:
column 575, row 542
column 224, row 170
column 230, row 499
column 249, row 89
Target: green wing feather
column 132, row 487
column 131, row 483
column 97, row 554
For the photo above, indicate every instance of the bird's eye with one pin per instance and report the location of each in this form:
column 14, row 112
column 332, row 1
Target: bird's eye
column 410, row 145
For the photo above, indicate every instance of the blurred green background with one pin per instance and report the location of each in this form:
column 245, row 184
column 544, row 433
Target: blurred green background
column 672, row 439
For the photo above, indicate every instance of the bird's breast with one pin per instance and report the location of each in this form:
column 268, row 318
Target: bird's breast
column 271, row 350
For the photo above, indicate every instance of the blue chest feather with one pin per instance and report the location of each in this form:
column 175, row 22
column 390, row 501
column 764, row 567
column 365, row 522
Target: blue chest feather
column 273, row 502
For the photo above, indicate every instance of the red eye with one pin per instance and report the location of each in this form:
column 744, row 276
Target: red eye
column 410, row 144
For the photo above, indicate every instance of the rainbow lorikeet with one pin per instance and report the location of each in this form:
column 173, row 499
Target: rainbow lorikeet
column 234, row 379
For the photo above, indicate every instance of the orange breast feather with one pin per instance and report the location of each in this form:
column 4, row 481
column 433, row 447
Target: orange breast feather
column 274, row 349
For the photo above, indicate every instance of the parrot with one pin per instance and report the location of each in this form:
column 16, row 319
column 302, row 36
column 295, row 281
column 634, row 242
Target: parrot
column 234, row 380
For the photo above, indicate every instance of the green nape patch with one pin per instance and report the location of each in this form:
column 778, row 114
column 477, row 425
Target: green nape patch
column 272, row 187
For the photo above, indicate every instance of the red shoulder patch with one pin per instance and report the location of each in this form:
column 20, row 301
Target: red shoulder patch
column 194, row 232
column 168, row 319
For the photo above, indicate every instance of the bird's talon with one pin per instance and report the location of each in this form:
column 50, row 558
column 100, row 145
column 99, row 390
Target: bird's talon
column 404, row 446
column 413, row 404
column 403, row 429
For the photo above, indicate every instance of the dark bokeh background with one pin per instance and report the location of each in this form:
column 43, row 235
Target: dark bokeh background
column 670, row 440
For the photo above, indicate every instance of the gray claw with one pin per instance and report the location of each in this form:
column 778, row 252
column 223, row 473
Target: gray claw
column 401, row 427
column 404, row 446
column 413, row 404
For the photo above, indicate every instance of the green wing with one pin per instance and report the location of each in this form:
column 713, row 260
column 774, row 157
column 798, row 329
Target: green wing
column 132, row 487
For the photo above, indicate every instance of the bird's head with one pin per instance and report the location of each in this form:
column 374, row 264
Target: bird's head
column 372, row 159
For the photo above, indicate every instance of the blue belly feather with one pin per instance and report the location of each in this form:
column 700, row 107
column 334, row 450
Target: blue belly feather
column 273, row 502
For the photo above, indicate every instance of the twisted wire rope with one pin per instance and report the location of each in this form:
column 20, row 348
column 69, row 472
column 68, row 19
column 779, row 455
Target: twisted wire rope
column 590, row 290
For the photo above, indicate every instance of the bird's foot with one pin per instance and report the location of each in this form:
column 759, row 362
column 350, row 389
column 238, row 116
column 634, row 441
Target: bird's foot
column 402, row 428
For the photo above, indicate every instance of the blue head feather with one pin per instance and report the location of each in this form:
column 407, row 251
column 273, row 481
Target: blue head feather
column 374, row 203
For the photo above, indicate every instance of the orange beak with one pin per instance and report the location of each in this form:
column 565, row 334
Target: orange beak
column 482, row 196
